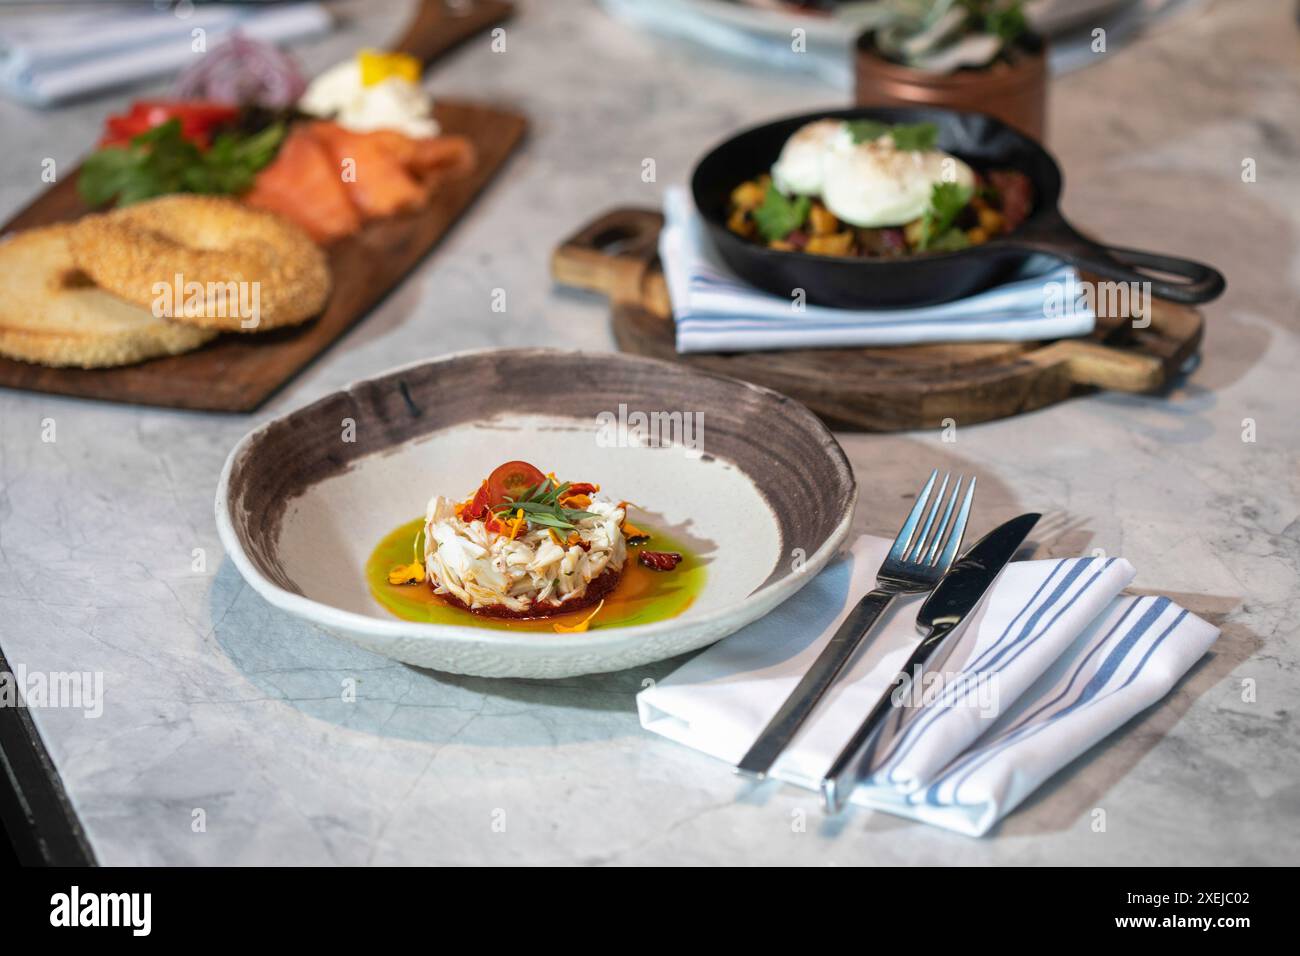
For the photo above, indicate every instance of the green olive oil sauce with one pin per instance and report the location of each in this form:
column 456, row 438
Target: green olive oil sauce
column 641, row 596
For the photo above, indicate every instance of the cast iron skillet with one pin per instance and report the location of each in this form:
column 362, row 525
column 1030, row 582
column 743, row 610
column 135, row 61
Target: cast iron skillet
column 985, row 143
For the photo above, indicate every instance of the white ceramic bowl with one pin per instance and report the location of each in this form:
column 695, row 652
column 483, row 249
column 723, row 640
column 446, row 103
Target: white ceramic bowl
column 765, row 496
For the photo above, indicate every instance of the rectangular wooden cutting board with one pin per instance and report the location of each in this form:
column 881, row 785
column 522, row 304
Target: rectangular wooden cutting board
column 236, row 373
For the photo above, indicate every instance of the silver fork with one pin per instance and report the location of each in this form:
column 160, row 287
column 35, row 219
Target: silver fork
column 915, row 563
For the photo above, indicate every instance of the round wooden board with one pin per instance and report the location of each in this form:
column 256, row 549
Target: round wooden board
column 880, row 389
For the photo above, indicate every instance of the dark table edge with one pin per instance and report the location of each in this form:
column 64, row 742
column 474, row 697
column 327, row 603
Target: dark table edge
column 33, row 804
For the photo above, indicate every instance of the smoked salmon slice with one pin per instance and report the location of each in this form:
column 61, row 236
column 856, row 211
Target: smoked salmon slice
column 305, row 185
column 430, row 160
column 380, row 185
column 328, row 179
column 451, row 154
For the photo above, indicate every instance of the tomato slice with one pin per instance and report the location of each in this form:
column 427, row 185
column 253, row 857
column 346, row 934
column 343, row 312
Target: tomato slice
column 198, row 119
column 511, row 480
column 199, row 112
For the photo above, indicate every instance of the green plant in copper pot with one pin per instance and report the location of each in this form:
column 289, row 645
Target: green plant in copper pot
column 942, row 36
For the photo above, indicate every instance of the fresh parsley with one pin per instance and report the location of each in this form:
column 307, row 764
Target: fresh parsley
column 947, row 200
column 780, row 215
column 160, row 161
column 909, row 137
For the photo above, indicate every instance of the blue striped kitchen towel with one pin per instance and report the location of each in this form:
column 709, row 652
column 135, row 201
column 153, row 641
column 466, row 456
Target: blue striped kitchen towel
column 717, row 312
column 50, row 56
column 1055, row 659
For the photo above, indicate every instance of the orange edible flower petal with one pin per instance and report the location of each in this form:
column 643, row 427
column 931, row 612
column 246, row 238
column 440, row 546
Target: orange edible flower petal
column 581, row 625
column 632, row 532
column 575, row 501
column 412, row 573
column 517, row 523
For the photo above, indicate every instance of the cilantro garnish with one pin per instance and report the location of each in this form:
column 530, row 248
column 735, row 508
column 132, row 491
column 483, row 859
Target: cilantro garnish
column 947, row 200
column 953, row 240
column 779, row 215
column 865, row 130
column 909, row 137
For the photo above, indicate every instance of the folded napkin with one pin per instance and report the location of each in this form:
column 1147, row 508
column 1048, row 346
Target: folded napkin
column 717, row 312
column 1054, row 660
column 746, row 34
column 46, row 58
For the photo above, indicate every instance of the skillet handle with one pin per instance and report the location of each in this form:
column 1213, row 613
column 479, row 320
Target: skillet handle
column 1202, row 283
column 1199, row 282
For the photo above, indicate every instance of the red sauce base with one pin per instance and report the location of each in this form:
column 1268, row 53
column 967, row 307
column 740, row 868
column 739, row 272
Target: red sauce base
column 596, row 592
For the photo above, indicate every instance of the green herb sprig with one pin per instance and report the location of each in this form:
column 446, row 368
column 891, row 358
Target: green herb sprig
column 908, row 137
column 161, row 161
column 780, row 215
column 947, row 200
column 541, row 507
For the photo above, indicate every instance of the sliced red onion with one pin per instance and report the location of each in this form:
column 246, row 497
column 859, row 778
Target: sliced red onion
column 242, row 71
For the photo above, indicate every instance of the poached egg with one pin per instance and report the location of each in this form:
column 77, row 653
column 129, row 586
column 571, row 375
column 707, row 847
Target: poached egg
column 872, row 184
column 800, row 169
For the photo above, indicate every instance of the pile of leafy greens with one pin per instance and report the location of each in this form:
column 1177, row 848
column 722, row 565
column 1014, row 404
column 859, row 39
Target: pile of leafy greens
column 161, row 161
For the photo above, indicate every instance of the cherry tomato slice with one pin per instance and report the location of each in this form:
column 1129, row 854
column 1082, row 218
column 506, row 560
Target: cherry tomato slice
column 511, row 480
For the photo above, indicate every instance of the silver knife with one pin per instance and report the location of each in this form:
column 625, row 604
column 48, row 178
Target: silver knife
column 958, row 594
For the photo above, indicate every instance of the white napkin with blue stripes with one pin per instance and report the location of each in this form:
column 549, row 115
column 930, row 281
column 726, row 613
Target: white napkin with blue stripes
column 1054, row 660
column 717, row 312
column 47, row 57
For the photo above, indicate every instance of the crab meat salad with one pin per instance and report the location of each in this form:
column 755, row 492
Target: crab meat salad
column 526, row 545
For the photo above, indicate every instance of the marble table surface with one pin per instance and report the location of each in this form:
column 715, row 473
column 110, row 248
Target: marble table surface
column 215, row 702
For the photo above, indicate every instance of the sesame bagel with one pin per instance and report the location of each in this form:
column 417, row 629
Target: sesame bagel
column 52, row 314
column 205, row 261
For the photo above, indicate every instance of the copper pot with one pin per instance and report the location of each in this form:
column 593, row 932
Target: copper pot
column 1015, row 93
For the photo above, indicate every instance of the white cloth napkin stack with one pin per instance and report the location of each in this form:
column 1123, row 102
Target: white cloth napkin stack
column 717, row 312
column 50, row 57
column 1054, row 660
